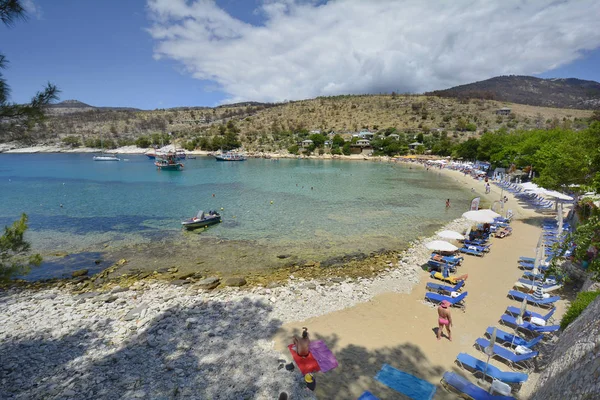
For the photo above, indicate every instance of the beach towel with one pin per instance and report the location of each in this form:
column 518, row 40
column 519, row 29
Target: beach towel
column 367, row 396
column 306, row 364
column 407, row 384
column 323, row 355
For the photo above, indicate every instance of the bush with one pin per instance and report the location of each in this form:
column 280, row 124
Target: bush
column 576, row 308
column 293, row 149
column 346, row 149
column 73, row 141
column 143, row 142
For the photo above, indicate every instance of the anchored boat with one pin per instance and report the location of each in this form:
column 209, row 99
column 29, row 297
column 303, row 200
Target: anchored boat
column 202, row 220
column 168, row 162
column 230, row 156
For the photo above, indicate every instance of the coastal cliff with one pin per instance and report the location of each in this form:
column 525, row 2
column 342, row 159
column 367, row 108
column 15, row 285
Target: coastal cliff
column 574, row 370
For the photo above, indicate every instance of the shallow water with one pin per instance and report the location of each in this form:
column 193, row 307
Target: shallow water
column 310, row 209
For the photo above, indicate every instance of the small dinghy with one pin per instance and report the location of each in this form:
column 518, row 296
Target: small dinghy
column 202, row 220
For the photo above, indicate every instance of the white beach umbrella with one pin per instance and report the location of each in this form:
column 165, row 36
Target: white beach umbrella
column 560, row 218
column 539, row 291
column 489, row 350
column 478, row 216
column 529, row 186
column 519, row 319
column 491, row 213
column 451, row 235
column 558, row 195
column 440, row 245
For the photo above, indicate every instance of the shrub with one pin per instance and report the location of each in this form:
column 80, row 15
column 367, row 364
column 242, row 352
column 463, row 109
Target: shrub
column 576, row 308
column 73, row 141
column 143, row 142
column 293, row 149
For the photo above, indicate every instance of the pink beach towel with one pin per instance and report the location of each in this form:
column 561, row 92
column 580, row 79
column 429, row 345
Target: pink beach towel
column 323, row 355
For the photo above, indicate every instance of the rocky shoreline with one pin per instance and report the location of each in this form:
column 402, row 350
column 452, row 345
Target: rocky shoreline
column 155, row 339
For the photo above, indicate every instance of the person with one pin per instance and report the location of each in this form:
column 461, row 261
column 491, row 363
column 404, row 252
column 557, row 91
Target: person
column 444, row 319
column 302, row 343
column 447, row 203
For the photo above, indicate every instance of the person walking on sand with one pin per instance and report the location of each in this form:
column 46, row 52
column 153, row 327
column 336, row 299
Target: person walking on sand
column 448, row 203
column 444, row 319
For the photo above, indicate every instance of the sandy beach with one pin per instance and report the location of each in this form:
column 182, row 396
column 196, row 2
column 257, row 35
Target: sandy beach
column 399, row 329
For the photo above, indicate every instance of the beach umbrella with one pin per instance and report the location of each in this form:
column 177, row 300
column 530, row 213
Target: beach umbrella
column 491, row 213
column 560, row 218
column 519, row 319
column 440, row 245
column 489, row 350
column 452, row 235
column 539, row 291
column 479, row 216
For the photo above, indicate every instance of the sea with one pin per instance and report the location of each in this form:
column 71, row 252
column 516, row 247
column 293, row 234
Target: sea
column 274, row 212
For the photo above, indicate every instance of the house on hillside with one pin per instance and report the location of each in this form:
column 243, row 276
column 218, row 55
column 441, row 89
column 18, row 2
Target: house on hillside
column 414, row 145
column 306, row 143
column 394, row 136
column 503, row 111
column 363, row 143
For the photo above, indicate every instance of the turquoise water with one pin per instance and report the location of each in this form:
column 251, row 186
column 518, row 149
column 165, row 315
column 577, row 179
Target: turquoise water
column 312, row 209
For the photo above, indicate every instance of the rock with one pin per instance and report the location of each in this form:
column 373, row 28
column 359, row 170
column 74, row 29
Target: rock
column 310, row 286
column 209, row 283
column 186, row 275
column 60, row 254
column 235, row 282
column 273, row 285
column 98, row 261
column 337, row 279
column 173, row 270
column 282, row 256
column 79, row 272
column 144, row 275
column 136, row 312
column 88, row 295
column 181, row 282
column 121, row 262
column 119, row 289
column 110, row 299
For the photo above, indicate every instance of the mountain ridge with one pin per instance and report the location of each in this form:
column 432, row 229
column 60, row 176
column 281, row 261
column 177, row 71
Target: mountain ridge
column 521, row 89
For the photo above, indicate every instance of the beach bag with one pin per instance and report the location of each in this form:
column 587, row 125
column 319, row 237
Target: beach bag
column 538, row 321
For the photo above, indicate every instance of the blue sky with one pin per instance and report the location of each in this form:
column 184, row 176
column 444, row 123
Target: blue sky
column 103, row 52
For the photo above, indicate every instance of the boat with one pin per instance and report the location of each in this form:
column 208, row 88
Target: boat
column 106, row 157
column 168, row 162
column 151, row 154
column 202, row 220
column 230, row 156
column 180, row 154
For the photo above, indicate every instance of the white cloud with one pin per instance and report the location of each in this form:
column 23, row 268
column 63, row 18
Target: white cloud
column 306, row 49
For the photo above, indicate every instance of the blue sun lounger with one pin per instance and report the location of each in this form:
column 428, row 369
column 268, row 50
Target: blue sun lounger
column 439, row 266
column 510, row 339
column 407, row 384
column 463, row 386
column 546, row 287
column 528, row 326
column 511, row 378
column 528, row 314
column 438, row 287
column 367, row 396
column 454, row 301
column 450, row 259
column 502, row 353
column 519, row 296
column 472, row 250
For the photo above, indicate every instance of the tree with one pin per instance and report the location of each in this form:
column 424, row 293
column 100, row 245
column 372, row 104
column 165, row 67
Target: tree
column 338, row 141
column 28, row 114
column 318, row 139
column 14, row 249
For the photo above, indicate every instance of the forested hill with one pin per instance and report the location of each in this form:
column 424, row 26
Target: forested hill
column 561, row 93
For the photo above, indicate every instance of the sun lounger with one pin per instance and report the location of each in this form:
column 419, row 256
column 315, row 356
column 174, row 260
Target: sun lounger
column 437, row 287
column 454, row 301
column 546, row 287
column 512, row 378
column 506, row 319
column 449, row 259
column 367, row 396
column 519, row 296
column 407, row 384
column 439, row 266
column 449, row 279
column 513, row 360
column 513, row 340
column 528, row 314
column 464, row 387
column 471, row 250
column 480, row 247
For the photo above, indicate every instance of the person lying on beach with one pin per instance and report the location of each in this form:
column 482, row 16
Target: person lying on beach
column 503, row 232
column 302, row 343
column 444, row 319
